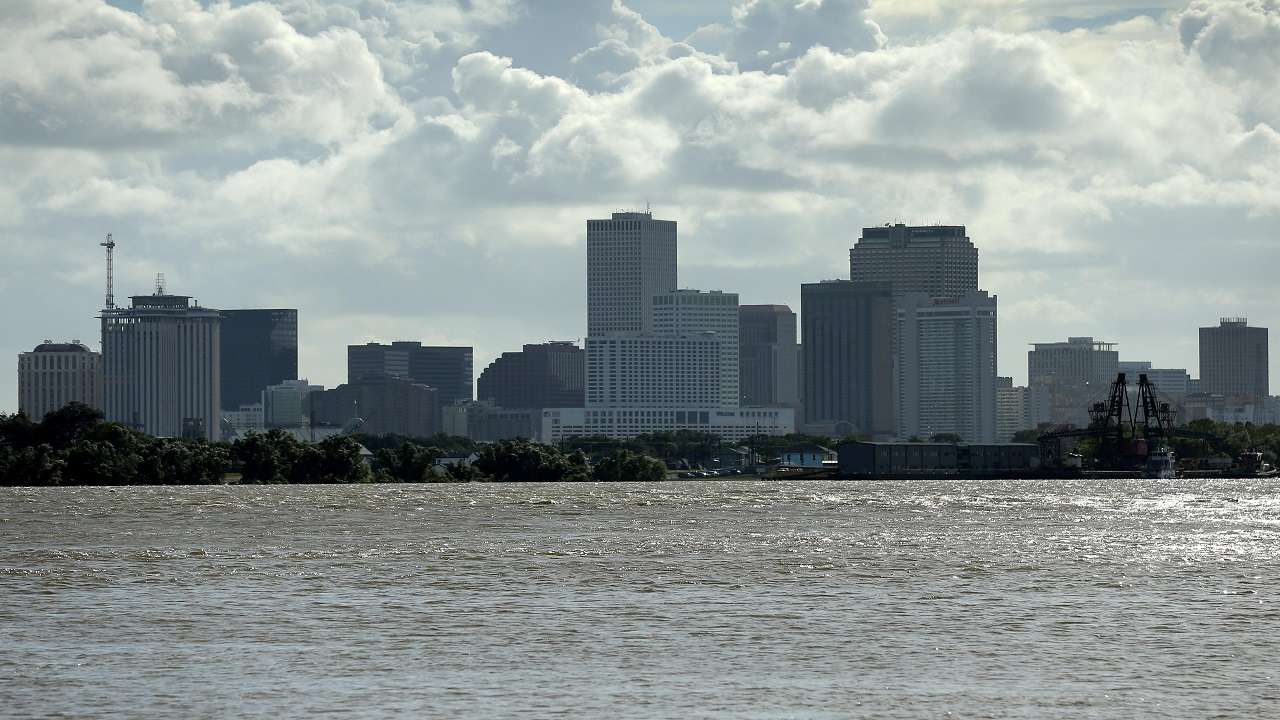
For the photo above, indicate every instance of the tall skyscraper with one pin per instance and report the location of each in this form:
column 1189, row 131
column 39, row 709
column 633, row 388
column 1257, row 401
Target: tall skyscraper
column 55, row 374
column 630, row 259
column 939, row 260
column 259, row 349
column 1065, row 378
column 162, row 366
column 1234, row 359
column 696, row 313
column 846, row 331
column 546, row 375
column 447, row 369
column 947, row 366
column 768, row 355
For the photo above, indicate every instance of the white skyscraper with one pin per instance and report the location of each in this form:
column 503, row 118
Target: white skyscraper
column 946, row 366
column 654, row 371
column 161, row 366
column 693, row 312
column 630, row 258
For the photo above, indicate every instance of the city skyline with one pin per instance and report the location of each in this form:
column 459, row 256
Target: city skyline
column 1094, row 220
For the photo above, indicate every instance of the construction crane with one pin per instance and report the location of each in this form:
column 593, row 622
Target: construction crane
column 110, row 245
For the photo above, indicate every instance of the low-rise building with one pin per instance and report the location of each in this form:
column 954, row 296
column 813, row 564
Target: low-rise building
column 731, row 424
column 872, row 460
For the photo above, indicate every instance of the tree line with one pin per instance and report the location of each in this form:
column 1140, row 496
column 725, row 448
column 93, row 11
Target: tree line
column 74, row 445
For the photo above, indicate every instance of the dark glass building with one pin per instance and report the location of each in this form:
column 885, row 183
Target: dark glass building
column 447, row 369
column 549, row 375
column 259, row 349
column 847, row 335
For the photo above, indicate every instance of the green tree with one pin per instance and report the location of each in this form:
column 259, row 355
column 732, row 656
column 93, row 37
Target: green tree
column 626, row 466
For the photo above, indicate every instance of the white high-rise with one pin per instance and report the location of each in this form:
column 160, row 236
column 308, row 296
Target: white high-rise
column 946, row 366
column 654, row 371
column 161, row 370
column 697, row 313
column 630, row 258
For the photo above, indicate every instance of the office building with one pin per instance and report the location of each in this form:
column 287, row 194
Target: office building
column 847, row 330
column 447, row 369
column 730, row 424
column 286, row 405
column 696, row 313
column 1073, row 375
column 259, row 348
column 1012, row 409
column 654, row 371
column 245, row 420
column 162, row 366
column 768, row 356
column 379, row 405
column 1234, row 359
column 938, row 260
column 55, row 374
column 630, row 259
column 946, row 365
column 484, row 422
column 1169, row 383
column 544, row 375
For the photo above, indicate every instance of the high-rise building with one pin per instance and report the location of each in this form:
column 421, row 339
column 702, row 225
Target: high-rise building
column 1075, row 374
column 546, row 375
column 1234, row 359
column 630, row 258
column 162, row 366
column 447, row 369
column 1012, row 409
column 939, row 260
column 55, row 374
column 1169, row 383
column 846, row 331
column 946, row 364
column 287, row 405
column 657, row 371
column 768, row 355
column 259, row 348
column 379, row 405
column 696, row 313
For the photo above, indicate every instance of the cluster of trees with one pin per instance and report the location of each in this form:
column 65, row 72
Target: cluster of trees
column 75, row 446
column 1228, row 440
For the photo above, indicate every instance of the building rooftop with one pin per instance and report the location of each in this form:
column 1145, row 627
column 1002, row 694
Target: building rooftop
column 51, row 346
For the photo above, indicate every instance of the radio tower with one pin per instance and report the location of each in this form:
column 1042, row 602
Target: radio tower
column 110, row 245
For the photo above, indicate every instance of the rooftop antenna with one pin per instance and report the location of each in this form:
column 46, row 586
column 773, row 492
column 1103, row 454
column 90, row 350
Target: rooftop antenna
column 110, row 245
column 159, row 283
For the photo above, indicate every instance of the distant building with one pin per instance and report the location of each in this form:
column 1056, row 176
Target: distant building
column 809, row 455
column 1234, row 359
column 545, row 375
column 946, row 364
column 768, row 356
column 286, row 405
column 730, row 424
column 847, row 330
column 484, row 422
column 243, row 421
column 162, row 366
column 55, row 374
column 630, row 258
column 1075, row 374
column 378, row 406
column 654, row 371
column 447, row 369
column 938, row 260
column 693, row 312
column 1012, row 410
column 259, row 348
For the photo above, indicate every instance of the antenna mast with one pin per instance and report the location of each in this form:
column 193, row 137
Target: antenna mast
column 110, row 245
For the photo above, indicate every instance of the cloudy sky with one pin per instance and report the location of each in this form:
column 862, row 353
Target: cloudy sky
column 424, row 170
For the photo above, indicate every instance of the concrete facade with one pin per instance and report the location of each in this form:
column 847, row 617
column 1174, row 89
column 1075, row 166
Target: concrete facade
column 630, row 259
column 1234, row 359
column 731, row 424
column 162, row 366
column 939, row 260
column 1071, row 375
column 654, row 371
column 946, row 366
column 684, row 313
column 55, row 374
column 379, row 405
column 287, row 404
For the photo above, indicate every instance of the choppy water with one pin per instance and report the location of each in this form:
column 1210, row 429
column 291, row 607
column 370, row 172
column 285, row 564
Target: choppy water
column 726, row 599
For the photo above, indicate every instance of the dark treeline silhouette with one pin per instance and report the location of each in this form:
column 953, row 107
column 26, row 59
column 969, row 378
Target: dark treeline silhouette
column 76, row 446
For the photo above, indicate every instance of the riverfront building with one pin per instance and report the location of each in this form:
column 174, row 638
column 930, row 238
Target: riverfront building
column 55, row 374
column 630, row 259
column 162, row 366
column 1234, row 359
column 768, row 356
column 447, row 369
column 545, row 375
column 846, row 331
column 939, row 260
column 731, row 424
column 259, row 348
column 946, row 365
column 683, row 313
